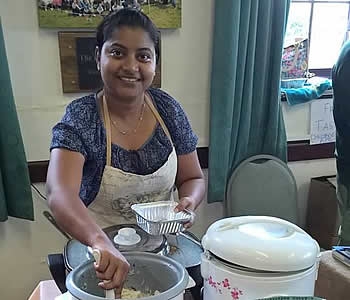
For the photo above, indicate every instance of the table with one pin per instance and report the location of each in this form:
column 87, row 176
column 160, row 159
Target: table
column 333, row 282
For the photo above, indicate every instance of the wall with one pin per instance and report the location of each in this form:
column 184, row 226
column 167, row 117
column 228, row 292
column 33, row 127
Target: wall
column 297, row 119
column 303, row 171
column 35, row 72
column 24, row 248
column 185, row 74
column 33, row 58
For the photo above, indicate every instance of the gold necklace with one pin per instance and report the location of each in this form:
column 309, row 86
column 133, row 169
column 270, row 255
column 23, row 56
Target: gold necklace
column 126, row 132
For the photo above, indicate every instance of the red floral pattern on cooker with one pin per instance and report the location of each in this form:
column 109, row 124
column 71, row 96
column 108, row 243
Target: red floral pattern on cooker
column 219, row 286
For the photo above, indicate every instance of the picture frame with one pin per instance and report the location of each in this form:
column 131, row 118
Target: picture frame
column 89, row 13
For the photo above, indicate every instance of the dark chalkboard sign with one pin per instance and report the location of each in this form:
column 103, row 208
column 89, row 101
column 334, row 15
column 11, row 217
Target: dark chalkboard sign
column 78, row 67
column 89, row 76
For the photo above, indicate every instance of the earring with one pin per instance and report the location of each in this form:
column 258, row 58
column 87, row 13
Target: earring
column 98, row 67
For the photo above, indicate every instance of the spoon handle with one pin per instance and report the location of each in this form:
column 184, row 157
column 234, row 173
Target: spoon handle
column 97, row 255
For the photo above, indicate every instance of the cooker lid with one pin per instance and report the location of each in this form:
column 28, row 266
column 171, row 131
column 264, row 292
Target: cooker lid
column 184, row 248
column 142, row 241
column 75, row 252
column 261, row 243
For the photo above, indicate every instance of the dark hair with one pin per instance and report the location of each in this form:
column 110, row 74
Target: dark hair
column 126, row 17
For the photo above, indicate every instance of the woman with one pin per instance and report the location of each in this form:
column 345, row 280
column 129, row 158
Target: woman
column 126, row 144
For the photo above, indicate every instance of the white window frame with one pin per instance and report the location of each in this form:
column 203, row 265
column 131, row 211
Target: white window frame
column 323, row 72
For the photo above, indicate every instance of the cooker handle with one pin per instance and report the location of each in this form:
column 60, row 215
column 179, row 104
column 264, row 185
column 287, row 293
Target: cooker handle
column 287, row 224
column 296, row 228
column 57, row 270
column 204, row 266
column 191, row 283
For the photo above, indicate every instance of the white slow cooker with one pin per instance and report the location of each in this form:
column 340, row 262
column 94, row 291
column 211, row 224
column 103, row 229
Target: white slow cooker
column 253, row 257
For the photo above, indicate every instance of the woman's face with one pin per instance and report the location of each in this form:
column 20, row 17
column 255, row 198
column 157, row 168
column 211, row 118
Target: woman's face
column 127, row 62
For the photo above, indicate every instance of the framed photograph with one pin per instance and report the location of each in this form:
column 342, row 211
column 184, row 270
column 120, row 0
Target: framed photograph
column 78, row 67
column 89, row 13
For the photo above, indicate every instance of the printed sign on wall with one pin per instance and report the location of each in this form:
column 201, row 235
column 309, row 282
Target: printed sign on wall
column 89, row 77
column 322, row 127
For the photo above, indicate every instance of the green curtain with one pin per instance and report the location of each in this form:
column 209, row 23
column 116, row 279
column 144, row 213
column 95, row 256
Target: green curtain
column 245, row 111
column 15, row 192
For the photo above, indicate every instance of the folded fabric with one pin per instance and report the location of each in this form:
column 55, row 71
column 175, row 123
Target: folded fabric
column 307, row 93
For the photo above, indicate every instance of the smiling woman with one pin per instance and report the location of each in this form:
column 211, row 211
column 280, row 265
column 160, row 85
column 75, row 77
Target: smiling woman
column 126, row 144
column 127, row 68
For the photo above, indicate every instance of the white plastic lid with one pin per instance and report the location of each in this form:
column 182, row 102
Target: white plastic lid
column 261, row 243
column 127, row 237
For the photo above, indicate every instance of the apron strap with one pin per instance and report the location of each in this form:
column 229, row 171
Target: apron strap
column 107, row 120
column 158, row 117
column 108, row 131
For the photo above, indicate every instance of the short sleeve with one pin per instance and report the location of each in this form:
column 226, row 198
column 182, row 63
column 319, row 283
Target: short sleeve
column 174, row 117
column 65, row 134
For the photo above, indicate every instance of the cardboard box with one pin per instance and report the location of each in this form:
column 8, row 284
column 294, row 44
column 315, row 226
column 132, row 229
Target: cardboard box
column 45, row 290
column 322, row 218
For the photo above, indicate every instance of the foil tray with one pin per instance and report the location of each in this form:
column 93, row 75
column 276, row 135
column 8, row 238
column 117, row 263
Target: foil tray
column 157, row 218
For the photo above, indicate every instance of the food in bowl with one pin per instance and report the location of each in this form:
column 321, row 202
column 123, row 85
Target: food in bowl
column 129, row 293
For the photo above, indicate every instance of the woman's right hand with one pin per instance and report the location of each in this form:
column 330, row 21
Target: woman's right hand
column 113, row 268
column 63, row 185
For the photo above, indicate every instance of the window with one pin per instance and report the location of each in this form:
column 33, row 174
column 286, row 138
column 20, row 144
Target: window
column 325, row 24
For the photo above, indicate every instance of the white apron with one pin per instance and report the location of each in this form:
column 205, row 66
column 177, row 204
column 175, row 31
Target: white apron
column 119, row 190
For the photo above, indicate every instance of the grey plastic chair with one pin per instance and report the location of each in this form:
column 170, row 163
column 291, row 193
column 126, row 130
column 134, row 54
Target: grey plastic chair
column 262, row 185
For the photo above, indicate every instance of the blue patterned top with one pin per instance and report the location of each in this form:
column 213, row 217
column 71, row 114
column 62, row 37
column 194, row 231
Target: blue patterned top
column 81, row 129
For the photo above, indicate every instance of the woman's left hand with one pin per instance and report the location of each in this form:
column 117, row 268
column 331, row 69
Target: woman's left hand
column 188, row 204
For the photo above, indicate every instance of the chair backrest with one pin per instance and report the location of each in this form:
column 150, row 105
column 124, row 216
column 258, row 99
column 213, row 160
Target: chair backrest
column 262, row 185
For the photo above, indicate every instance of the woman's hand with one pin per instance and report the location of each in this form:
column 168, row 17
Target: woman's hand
column 189, row 204
column 112, row 268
